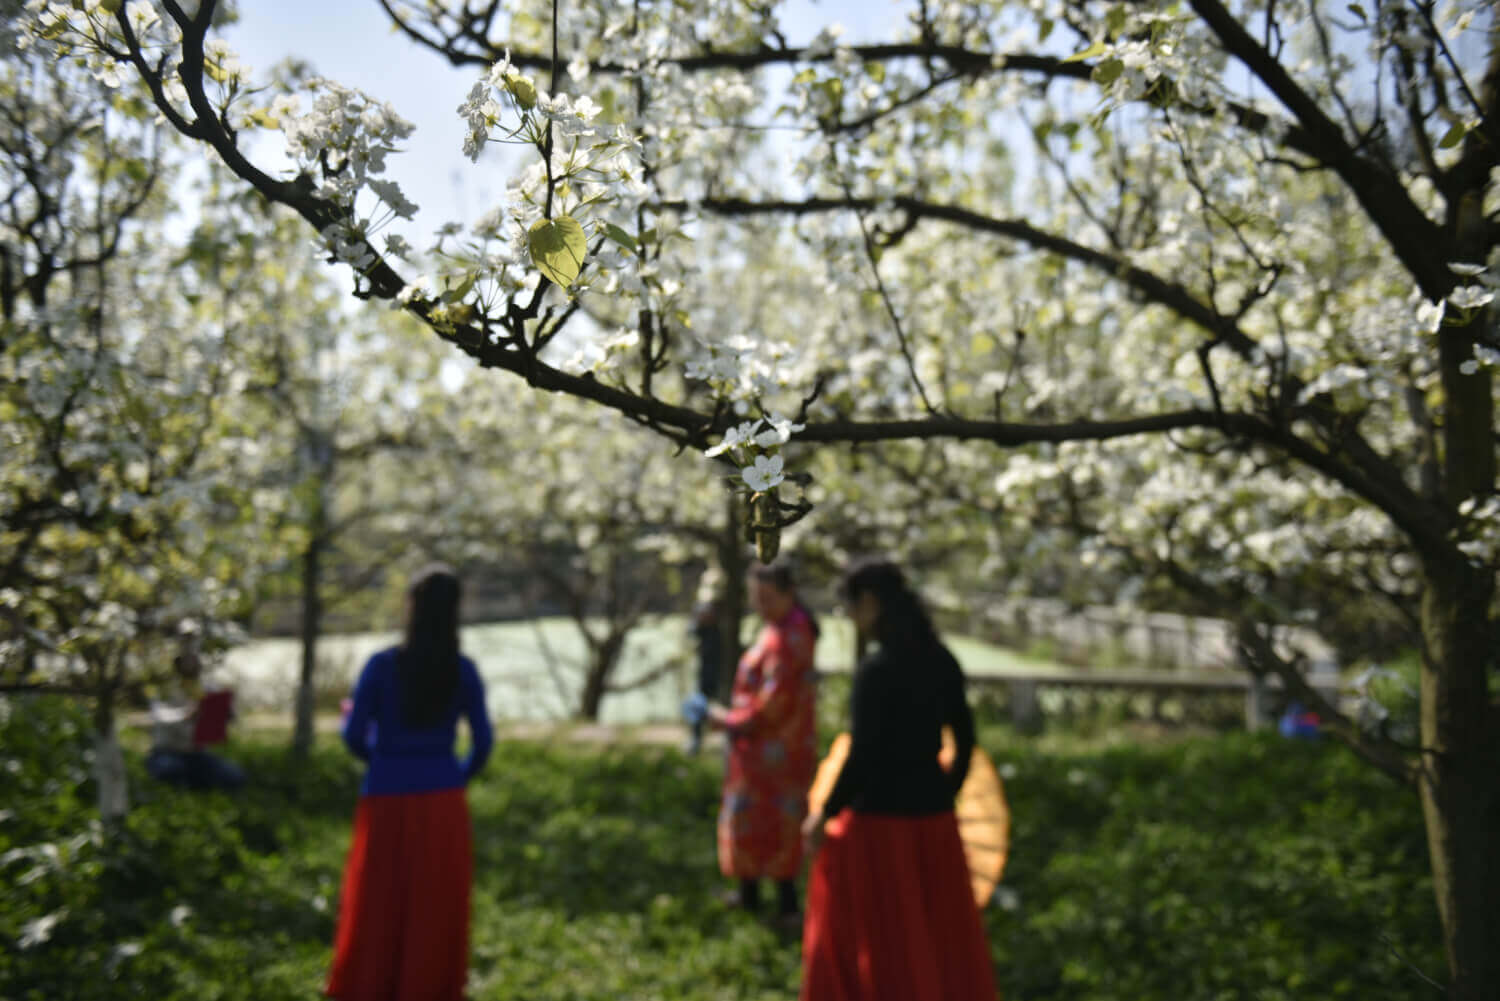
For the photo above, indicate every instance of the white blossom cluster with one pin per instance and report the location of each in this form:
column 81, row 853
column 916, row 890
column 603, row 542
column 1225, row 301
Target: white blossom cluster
column 756, row 444
column 1481, row 530
column 341, row 144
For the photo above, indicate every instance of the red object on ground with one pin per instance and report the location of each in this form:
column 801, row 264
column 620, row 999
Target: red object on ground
column 403, row 925
column 891, row 915
column 214, row 712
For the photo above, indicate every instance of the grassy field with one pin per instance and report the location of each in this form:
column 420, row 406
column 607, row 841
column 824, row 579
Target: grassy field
column 1210, row 867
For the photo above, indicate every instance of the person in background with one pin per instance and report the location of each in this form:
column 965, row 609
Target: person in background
column 708, row 642
column 770, row 724
column 177, row 754
column 403, row 921
column 890, row 911
column 1299, row 723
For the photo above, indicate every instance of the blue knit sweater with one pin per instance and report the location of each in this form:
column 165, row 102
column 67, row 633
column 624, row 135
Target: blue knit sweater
column 406, row 759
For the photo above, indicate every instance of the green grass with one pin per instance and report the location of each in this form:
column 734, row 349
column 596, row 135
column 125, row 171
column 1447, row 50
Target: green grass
column 1206, row 868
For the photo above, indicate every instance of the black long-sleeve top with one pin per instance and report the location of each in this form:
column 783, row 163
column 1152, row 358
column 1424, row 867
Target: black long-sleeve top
column 900, row 703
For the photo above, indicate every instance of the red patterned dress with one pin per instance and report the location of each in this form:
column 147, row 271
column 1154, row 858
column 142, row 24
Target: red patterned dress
column 772, row 753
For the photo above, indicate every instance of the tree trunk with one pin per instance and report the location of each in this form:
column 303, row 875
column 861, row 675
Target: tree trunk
column 312, row 616
column 109, row 762
column 734, row 564
column 602, row 663
column 1460, row 748
column 1460, row 762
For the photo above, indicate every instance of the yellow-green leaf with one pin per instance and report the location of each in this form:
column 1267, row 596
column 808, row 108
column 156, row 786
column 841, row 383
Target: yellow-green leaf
column 1114, row 21
column 1108, row 71
column 618, row 235
column 1453, row 136
column 557, row 248
column 1097, row 49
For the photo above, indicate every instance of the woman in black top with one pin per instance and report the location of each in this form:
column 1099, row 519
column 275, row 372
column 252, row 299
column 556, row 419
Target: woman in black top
column 890, row 911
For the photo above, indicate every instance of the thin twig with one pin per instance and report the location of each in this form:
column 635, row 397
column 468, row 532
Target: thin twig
column 1414, row 968
column 890, row 308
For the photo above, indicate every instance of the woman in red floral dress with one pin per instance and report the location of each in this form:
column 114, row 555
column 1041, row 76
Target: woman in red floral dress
column 772, row 738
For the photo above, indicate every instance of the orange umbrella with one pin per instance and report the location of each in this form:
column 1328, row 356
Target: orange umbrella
column 983, row 815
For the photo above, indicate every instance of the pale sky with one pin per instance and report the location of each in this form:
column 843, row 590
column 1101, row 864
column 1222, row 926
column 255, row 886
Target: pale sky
column 352, row 41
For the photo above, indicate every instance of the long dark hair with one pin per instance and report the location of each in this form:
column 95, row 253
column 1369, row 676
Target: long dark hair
column 904, row 623
column 780, row 575
column 427, row 664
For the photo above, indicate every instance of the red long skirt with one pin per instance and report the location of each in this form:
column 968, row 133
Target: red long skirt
column 403, row 926
column 891, row 916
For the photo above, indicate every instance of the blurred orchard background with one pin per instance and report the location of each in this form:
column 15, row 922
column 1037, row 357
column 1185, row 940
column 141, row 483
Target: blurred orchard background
column 1156, row 340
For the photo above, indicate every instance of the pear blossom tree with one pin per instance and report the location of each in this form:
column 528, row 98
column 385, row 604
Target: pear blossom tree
column 1263, row 233
column 336, row 401
column 116, row 532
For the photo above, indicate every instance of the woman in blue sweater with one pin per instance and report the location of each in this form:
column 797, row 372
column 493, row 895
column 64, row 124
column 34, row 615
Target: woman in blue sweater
column 403, row 925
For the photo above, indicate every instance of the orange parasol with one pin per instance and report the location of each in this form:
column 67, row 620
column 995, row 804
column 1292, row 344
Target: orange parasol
column 983, row 815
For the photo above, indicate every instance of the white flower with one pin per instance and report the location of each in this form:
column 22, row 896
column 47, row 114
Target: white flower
column 396, row 246
column 1486, row 356
column 38, row 931
column 142, row 16
column 778, row 432
column 390, row 193
column 419, row 289
column 1470, row 296
column 733, row 438
column 179, row 915
column 1465, row 269
column 585, row 108
column 1430, row 316
column 501, row 70
column 764, row 474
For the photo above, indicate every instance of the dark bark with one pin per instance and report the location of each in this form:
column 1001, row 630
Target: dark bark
column 733, row 563
column 311, row 627
column 1458, row 776
column 604, row 658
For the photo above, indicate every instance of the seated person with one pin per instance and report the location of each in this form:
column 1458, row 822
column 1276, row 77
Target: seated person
column 183, row 721
column 1298, row 722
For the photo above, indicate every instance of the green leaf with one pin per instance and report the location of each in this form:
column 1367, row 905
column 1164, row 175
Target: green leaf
column 1108, row 71
column 1358, row 12
column 806, row 76
column 460, row 291
column 557, row 249
column 876, row 71
column 618, row 235
column 1114, row 21
column 1097, row 49
column 1453, row 136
